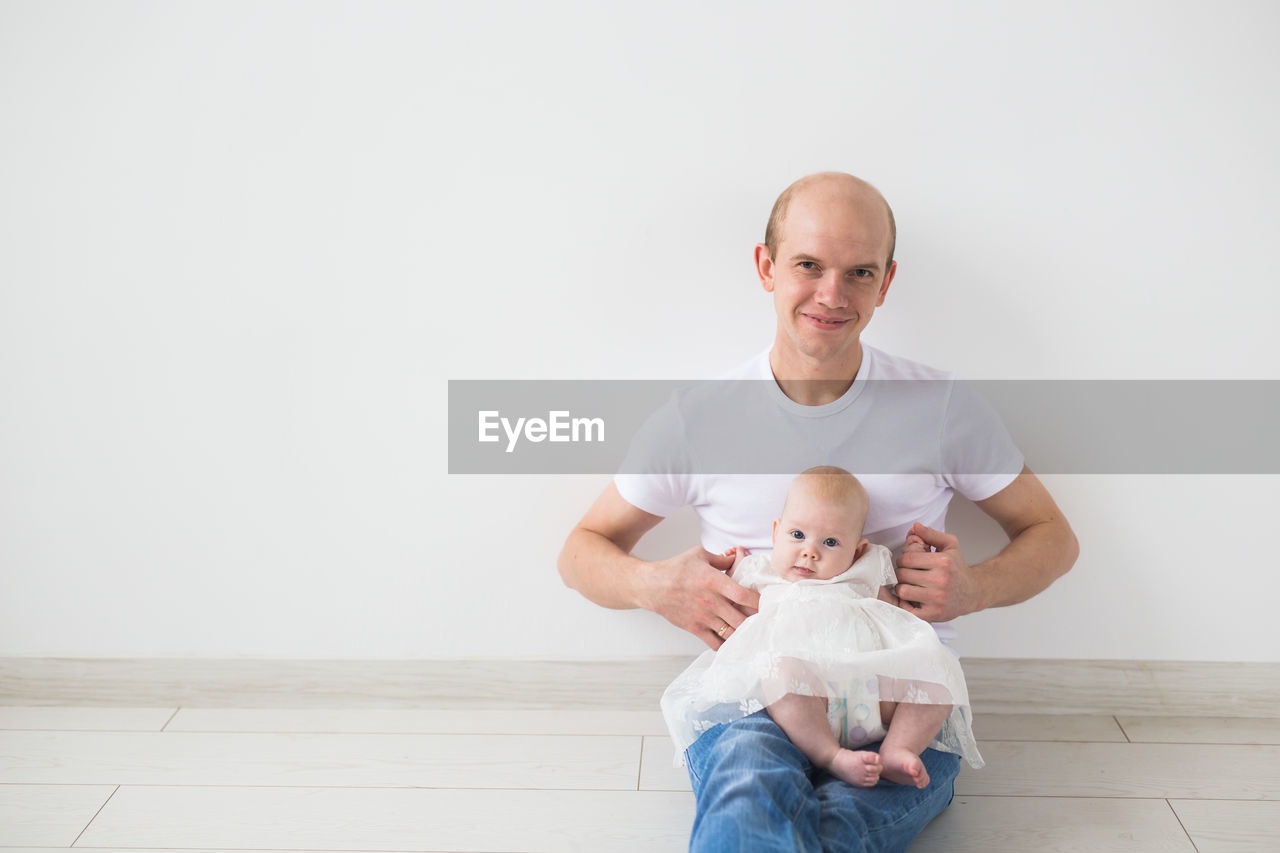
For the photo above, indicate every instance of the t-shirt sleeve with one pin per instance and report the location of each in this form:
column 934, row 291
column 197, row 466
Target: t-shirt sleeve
column 654, row 475
column 979, row 457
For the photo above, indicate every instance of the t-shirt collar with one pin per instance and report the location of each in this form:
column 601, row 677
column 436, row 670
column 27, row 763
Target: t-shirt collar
column 827, row 409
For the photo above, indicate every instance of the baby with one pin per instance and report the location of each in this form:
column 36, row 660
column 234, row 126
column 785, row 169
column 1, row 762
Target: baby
column 826, row 635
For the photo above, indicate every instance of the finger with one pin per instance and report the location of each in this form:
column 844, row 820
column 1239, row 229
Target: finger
column 738, row 594
column 921, row 560
column 730, row 615
column 710, row 638
column 927, row 612
column 732, row 612
column 907, row 592
column 913, row 594
column 724, row 628
column 936, row 538
column 916, row 577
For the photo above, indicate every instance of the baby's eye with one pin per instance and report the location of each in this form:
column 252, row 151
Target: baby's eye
column 830, row 542
column 797, row 535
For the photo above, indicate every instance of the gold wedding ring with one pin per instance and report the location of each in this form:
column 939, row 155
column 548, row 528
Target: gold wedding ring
column 723, row 628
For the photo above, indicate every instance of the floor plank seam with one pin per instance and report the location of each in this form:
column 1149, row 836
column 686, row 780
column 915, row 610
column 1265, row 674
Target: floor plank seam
column 1123, row 731
column 651, row 790
column 206, row 849
column 640, row 768
column 353, row 788
column 525, row 734
column 95, row 815
column 171, row 716
column 1152, row 798
column 505, row 733
column 1178, row 818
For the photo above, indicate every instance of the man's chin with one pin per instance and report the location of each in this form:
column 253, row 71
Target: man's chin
column 825, row 347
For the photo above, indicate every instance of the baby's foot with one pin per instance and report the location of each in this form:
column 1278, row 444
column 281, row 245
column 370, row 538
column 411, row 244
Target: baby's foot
column 904, row 767
column 859, row 768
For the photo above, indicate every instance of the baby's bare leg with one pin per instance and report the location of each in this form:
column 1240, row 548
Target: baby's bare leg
column 804, row 719
column 912, row 727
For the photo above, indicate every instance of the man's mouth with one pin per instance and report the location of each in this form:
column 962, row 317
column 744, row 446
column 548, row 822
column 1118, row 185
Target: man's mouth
column 825, row 322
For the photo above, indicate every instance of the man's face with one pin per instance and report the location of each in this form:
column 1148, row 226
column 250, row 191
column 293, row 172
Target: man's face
column 829, row 274
column 815, row 539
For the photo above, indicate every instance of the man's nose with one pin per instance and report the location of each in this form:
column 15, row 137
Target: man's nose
column 829, row 292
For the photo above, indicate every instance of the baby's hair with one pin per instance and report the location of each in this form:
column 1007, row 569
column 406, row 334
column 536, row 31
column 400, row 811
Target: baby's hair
column 830, row 483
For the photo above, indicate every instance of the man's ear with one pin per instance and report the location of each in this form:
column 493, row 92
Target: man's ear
column 888, row 280
column 862, row 549
column 764, row 267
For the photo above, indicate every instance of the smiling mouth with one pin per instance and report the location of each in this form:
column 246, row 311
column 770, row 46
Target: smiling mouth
column 825, row 322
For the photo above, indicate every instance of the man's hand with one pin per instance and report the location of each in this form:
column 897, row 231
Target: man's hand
column 936, row 585
column 691, row 591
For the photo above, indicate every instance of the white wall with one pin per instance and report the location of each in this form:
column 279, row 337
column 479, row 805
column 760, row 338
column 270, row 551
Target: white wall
column 243, row 246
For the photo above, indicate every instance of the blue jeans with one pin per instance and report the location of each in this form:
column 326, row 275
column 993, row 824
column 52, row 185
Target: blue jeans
column 756, row 791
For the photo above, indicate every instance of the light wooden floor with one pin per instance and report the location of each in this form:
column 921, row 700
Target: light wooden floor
column 312, row 778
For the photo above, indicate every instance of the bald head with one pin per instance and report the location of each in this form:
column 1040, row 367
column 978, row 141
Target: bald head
column 838, row 187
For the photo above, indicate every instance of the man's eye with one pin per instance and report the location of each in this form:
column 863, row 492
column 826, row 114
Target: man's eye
column 796, row 534
column 808, row 265
column 829, row 542
column 862, row 273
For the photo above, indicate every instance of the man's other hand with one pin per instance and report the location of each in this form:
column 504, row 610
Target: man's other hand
column 936, row 585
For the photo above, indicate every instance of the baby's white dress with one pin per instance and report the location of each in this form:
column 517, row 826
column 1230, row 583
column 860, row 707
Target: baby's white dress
column 829, row 638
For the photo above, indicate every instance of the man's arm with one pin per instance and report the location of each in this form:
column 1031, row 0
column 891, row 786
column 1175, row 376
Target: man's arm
column 689, row 590
column 939, row 586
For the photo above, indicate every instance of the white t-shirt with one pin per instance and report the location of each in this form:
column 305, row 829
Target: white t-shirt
column 913, row 436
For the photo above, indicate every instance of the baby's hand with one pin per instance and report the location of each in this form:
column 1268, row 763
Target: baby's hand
column 737, row 552
column 914, row 545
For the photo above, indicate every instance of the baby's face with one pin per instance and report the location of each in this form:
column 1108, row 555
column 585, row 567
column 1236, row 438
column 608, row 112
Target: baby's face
column 815, row 539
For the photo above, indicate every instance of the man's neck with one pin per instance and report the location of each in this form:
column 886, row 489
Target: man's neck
column 810, row 382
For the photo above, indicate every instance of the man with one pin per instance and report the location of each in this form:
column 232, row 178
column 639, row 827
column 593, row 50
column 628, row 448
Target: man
column 828, row 262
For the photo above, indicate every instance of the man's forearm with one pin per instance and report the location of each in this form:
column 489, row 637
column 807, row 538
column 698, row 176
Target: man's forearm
column 690, row 589
column 595, row 566
column 1031, row 561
